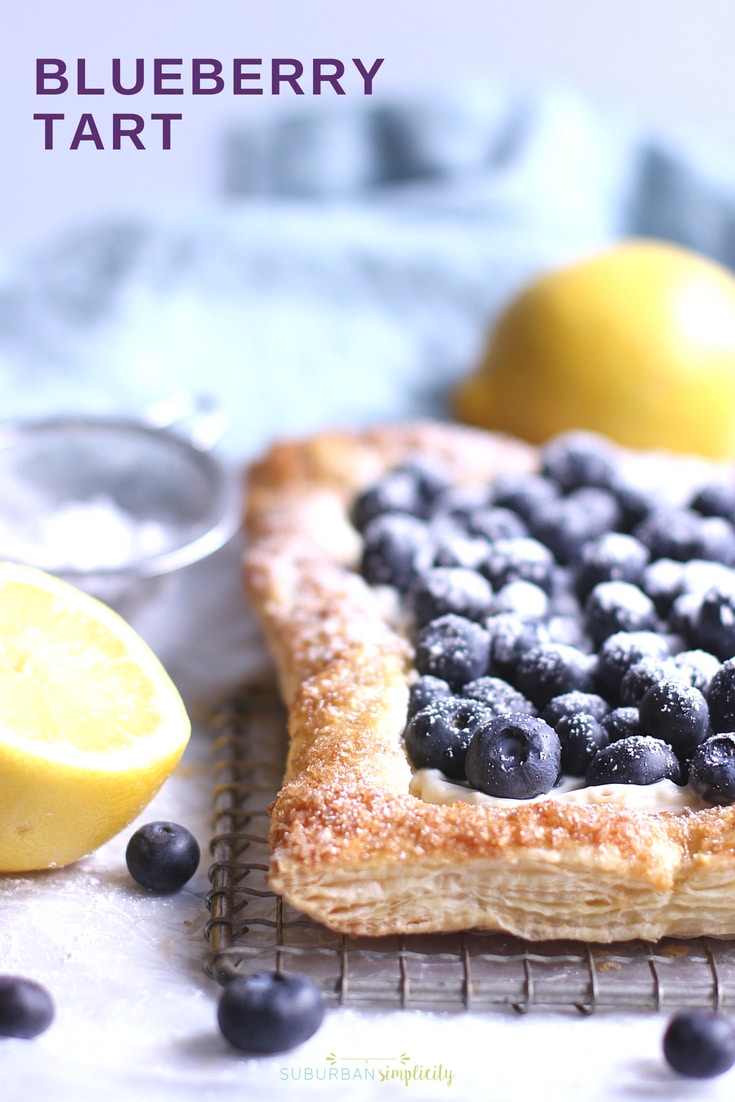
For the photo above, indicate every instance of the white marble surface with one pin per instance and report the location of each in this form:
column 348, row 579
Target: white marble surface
column 136, row 1016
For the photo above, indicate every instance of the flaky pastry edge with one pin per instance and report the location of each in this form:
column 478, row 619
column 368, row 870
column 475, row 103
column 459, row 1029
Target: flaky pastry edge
column 350, row 845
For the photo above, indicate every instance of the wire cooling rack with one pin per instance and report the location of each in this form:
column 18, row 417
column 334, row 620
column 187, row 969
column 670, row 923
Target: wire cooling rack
column 251, row 929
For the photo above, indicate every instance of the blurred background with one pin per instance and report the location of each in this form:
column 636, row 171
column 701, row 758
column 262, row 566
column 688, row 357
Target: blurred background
column 667, row 63
column 323, row 259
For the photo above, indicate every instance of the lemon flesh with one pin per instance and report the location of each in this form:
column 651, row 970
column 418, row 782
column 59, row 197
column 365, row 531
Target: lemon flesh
column 90, row 723
column 636, row 342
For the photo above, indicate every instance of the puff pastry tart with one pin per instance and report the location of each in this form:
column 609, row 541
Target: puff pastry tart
column 508, row 680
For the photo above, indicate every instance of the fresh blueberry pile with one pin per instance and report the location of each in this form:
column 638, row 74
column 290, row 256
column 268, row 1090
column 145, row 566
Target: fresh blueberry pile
column 566, row 622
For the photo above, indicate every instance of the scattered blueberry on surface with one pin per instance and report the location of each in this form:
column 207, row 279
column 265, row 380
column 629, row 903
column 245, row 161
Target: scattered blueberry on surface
column 437, row 737
column 26, row 1007
column 515, row 756
column 699, row 1044
column 162, row 856
column 269, row 1012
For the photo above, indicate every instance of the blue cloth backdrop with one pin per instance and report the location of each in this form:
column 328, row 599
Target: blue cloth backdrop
column 352, row 265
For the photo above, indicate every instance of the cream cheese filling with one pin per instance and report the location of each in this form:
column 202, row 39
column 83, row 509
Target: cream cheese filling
column 433, row 787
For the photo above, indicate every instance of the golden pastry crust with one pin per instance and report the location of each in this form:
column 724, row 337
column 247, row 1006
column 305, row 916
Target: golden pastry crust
column 350, row 845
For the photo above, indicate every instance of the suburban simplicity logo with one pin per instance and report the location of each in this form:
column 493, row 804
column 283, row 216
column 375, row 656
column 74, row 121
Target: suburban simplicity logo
column 378, row 1069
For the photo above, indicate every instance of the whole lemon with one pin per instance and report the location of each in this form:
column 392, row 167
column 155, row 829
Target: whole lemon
column 636, row 342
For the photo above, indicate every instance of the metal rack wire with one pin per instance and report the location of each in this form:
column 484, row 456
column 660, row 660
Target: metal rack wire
column 251, row 929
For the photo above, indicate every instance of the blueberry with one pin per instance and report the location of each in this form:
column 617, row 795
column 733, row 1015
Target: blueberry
column 715, row 499
column 618, row 606
column 699, row 1044
column 572, row 704
column 437, row 737
column 510, row 637
column 457, row 503
column 497, row 696
column 698, row 667
column 26, row 1008
column 636, row 501
column 579, row 458
column 566, row 524
column 621, row 722
column 396, row 492
column 714, row 627
column 716, row 540
column 551, row 669
column 396, row 548
column 269, row 1012
column 453, row 648
column 641, row 675
column 162, row 856
column 638, row 759
column 431, row 478
column 671, row 533
column 446, row 589
column 612, row 557
column 619, row 652
column 581, row 736
column 525, row 599
column 496, row 523
column 663, row 581
column 519, row 560
column 515, row 756
column 677, row 713
column 455, row 547
column 712, row 769
column 524, row 493
column 721, row 698
column 425, row 691
column 683, row 615
column 701, row 575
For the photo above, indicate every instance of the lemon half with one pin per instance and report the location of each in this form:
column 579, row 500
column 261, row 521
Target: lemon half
column 636, row 342
column 91, row 725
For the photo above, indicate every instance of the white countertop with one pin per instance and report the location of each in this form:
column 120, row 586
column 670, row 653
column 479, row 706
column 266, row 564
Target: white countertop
column 135, row 1013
